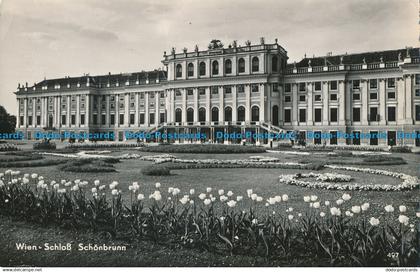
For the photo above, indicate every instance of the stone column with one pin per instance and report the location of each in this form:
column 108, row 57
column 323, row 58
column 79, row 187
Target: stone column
column 364, row 110
column 117, row 110
column 184, row 105
column 310, row 104
column 126, row 110
column 107, row 110
column 221, row 105
column 68, row 111
column 34, row 112
column 208, row 105
column 349, row 104
column 157, row 109
column 25, row 112
column 400, row 93
column 136, row 110
column 247, row 103
column 234, row 103
column 262, row 103
column 88, row 109
column 78, row 111
column 195, row 105
column 18, row 114
column 325, row 104
column 295, row 107
column 382, row 102
column 409, row 99
column 146, row 109
column 342, row 104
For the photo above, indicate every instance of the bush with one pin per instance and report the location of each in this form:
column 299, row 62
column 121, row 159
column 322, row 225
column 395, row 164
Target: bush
column 88, row 165
column 383, row 160
column 400, row 149
column 8, row 147
column 156, row 170
column 203, row 148
column 45, row 145
column 34, row 163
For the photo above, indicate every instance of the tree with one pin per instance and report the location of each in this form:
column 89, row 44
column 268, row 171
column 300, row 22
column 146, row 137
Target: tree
column 215, row 44
column 7, row 121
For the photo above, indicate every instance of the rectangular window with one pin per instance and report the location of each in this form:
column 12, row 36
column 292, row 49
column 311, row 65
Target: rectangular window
column 141, row 95
column 214, row 90
column 373, row 114
column 333, row 115
column 121, row 119
column 151, row 118
column 356, row 96
column 373, row 138
column 302, row 98
column 177, row 93
column 373, row 84
column 275, row 87
column 417, row 79
column 333, row 139
column 112, row 119
column 356, row 84
column 302, row 115
column 391, row 82
column 141, row 118
column 391, row 114
column 202, row 91
column 318, row 97
column 73, row 119
column 288, row 115
column 317, row 86
column 417, row 93
column 162, row 118
column 132, row 117
column 228, row 90
column 356, row 114
column 82, row 119
column 356, row 137
column 333, row 85
column 317, row 137
column 302, row 87
column 287, row 88
column 318, row 115
column 38, row 120
column 241, row 88
column 417, row 112
column 190, row 91
column 30, row 120
column 391, row 95
column 103, row 119
column 21, row 120
column 95, row 119
column 287, row 98
column 254, row 88
column 373, row 96
column 333, row 97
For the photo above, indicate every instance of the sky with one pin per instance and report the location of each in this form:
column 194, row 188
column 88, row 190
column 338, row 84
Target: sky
column 57, row 38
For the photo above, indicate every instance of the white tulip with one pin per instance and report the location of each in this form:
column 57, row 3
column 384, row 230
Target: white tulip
column 306, row 198
column 254, row 221
column 191, row 202
column 403, row 219
column 102, row 187
column 317, row 205
column 208, row 190
column 403, row 208
column 170, row 190
column 340, row 201
column 202, row 196
column 114, row 192
column 231, row 203
column 299, row 214
column 259, row 199
column 221, row 192
column 207, row 201
column 389, row 208
column 335, row 211
column 229, row 193
column 314, row 198
column 327, row 203
column 418, row 214
column 96, row 182
column 290, row 217
column 183, row 200
column 374, row 221
column 277, row 198
column 176, row 191
column 140, row 197
column 157, row 185
column 192, row 191
column 322, row 214
column 349, row 214
column 254, row 197
column 365, row 206
column 356, row 209
column 249, row 192
column 239, row 198
column 94, row 190
column 346, row 197
column 285, row 197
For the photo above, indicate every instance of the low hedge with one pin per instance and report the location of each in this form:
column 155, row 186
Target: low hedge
column 88, row 165
column 44, row 146
column 177, row 166
column 156, row 170
column 204, row 148
column 35, row 163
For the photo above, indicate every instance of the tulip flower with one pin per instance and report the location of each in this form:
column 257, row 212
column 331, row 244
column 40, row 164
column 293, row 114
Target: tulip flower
column 356, row 209
column 192, row 191
column 285, row 197
column 221, row 192
column 389, row 208
column 306, row 198
column 229, row 193
column 208, row 189
column 157, row 185
column 140, row 197
column 239, row 198
column 403, row 219
column 96, row 182
column 231, row 203
column 207, row 201
column 374, row 221
column 403, row 208
column 322, row 214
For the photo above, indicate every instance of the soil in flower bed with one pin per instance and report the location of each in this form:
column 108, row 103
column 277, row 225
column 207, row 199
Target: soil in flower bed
column 89, row 165
column 204, row 148
column 139, row 253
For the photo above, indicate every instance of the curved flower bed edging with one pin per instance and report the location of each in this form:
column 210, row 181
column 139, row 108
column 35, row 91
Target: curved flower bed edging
column 409, row 182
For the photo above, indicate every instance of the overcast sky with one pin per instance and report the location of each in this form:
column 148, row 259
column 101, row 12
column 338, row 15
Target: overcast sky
column 56, row 38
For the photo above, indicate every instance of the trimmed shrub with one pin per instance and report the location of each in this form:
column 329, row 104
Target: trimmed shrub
column 204, row 148
column 45, row 145
column 88, row 165
column 156, row 170
column 400, row 149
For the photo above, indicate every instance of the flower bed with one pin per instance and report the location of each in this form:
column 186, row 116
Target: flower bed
column 203, row 148
column 219, row 221
column 408, row 182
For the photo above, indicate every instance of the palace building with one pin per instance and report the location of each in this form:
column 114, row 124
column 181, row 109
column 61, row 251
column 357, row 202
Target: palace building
column 237, row 89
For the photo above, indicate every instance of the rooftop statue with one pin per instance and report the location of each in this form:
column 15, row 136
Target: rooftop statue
column 215, row 44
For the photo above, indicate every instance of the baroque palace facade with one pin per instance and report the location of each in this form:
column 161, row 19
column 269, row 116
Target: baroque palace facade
column 249, row 88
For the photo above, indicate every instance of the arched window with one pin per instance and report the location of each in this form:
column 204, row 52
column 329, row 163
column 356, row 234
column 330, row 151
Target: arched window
column 202, row 115
column 190, row 69
column 214, row 114
column 178, row 70
column 202, row 68
column 215, row 67
column 275, row 116
column 255, row 64
column 241, row 65
column 255, row 114
column 228, row 66
column 274, row 64
column 228, row 114
column 190, row 115
column 178, row 115
column 241, row 114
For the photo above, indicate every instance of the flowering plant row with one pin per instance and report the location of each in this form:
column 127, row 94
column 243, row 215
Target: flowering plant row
column 323, row 234
column 409, row 182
